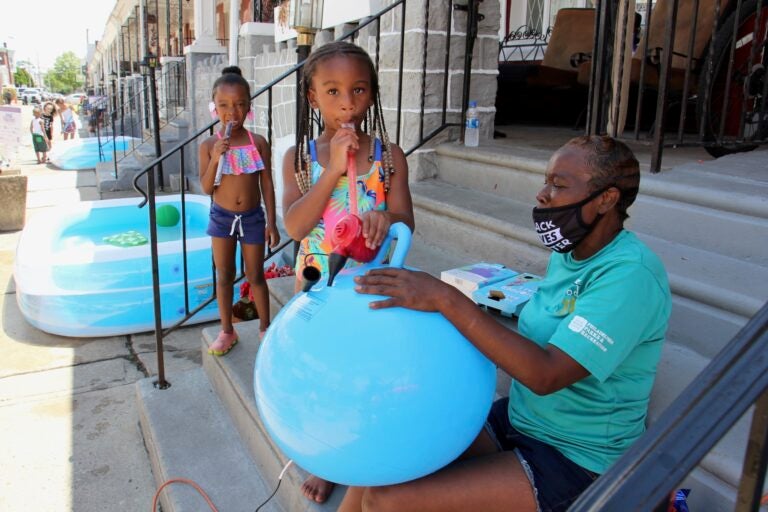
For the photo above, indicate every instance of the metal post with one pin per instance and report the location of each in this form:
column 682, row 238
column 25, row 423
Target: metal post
column 472, row 8
column 180, row 46
column 161, row 382
column 753, row 472
column 155, row 124
column 661, row 100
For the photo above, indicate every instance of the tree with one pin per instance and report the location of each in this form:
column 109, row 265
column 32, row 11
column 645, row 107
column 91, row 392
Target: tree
column 22, row 78
column 65, row 76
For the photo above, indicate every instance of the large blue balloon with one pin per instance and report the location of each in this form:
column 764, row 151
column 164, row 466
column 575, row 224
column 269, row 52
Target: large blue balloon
column 363, row 397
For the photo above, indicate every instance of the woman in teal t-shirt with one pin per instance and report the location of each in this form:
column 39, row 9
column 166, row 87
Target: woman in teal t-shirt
column 584, row 360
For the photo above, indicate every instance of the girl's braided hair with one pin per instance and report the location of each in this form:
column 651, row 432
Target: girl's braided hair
column 374, row 120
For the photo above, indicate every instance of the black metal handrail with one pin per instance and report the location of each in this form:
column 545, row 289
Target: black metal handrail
column 148, row 173
column 689, row 428
column 132, row 115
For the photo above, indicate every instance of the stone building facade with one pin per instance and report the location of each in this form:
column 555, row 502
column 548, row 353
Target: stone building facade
column 262, row 61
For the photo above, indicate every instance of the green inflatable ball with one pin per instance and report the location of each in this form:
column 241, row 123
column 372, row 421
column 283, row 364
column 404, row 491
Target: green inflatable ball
column 167, row 216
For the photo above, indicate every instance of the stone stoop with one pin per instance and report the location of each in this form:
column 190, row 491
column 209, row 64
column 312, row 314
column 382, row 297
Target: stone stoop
column 232, row 379
column 143, row 154
column 227, row 446
column 188, row 434
column 706, row 226
column 106, row 181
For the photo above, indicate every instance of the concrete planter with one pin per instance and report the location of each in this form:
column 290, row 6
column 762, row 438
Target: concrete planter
column 13, row 190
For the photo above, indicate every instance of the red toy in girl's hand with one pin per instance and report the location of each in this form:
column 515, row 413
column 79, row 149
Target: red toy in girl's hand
column 347, row 240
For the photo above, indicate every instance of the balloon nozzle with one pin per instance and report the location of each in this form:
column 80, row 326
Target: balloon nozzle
column 336, row 262
column 309, row 277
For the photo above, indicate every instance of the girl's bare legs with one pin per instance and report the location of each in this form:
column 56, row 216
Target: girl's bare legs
column 482, row 479
column 318, row 490
column 224, row 259
column 253, row 254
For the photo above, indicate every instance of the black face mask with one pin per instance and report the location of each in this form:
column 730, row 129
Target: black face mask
column 562, row 228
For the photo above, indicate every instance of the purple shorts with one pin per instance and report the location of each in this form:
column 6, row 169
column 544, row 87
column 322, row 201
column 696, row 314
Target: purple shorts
column 248, row 226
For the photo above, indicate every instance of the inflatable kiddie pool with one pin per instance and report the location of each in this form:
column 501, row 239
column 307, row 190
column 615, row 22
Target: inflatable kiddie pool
column 75, row 154
column 85, row 270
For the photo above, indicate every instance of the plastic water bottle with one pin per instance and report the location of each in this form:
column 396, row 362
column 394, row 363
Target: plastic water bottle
column 472, row 127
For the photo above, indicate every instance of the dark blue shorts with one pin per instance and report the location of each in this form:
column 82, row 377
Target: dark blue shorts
column 248, row 226
column 557, row 481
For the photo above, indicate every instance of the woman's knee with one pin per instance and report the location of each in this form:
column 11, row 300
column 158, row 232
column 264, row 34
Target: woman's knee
column 380, row 499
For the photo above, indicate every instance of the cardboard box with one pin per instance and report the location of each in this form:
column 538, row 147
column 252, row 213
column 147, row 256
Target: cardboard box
column 508, row 296
column 470, row 278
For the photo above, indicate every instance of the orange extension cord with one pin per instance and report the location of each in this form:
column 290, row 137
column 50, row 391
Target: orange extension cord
column 206, row 497
column 183, row 481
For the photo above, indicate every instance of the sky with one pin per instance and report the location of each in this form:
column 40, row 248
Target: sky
column 41, row 30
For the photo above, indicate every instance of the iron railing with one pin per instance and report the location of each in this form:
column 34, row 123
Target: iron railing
column 709, row 91
column 524, row 44
column 132, row 116
column 643, row 478
column 374, row 24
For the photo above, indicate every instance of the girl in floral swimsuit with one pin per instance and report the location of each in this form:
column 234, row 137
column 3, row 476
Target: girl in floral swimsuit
column 340, row 80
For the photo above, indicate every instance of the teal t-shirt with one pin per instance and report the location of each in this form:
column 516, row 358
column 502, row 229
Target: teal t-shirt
column 609, row 312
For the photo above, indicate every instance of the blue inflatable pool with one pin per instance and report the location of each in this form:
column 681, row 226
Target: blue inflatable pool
column 76, row 154
column 85, row 270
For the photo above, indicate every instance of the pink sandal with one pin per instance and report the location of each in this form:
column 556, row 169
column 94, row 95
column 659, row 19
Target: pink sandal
column 223, row 344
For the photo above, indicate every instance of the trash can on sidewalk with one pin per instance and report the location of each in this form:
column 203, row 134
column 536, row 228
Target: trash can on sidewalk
column 13, row 190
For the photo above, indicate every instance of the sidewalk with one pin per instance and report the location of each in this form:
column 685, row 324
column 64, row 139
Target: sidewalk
column 70, row 438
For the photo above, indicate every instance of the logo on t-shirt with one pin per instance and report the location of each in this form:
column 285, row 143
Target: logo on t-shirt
column 581, row 325
column 570, row 297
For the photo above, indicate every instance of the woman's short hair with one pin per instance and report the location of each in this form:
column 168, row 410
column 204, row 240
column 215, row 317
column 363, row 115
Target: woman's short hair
column 612, row 164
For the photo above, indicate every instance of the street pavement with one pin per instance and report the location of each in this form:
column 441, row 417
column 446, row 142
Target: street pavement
column 70, row 439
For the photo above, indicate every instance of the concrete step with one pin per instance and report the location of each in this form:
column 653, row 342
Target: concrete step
column 498, row 229
column 188, row 434
column 477, row 225
column 497, row 169
column 177, row 128
column 716, row 478
column 692, row 204
column 232, row 380
column 127, row 168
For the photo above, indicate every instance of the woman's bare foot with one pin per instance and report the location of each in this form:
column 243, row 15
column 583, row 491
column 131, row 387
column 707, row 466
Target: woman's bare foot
column 316, row 489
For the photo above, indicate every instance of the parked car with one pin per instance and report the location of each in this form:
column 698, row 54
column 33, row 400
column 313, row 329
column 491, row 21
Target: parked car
column 31, row 95
column 76, row 98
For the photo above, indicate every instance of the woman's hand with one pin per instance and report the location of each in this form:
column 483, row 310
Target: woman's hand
column 405, row 288
column 375, row 227
column 343, row 141
column 272, row 236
